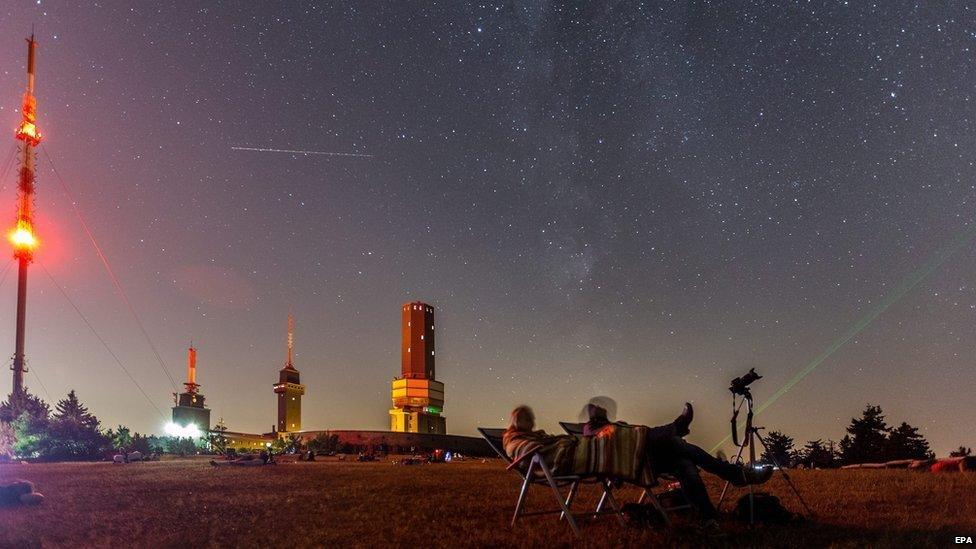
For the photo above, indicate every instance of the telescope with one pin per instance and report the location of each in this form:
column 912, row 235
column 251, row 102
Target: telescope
column 742, row 395
column 740, row 385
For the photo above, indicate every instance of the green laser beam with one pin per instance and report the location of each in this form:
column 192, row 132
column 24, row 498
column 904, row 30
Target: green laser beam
column 934, row 262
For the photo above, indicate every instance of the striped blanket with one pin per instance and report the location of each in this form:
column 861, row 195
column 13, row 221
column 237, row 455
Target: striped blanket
column 617, row 452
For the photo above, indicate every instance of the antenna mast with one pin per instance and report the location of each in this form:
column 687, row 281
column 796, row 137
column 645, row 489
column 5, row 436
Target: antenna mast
column 291, row 340
column 22, row 236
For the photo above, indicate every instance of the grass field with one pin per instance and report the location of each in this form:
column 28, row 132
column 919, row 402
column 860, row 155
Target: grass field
column 183, row 503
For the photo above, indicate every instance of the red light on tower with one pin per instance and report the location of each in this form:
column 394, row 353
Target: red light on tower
column 23, row 238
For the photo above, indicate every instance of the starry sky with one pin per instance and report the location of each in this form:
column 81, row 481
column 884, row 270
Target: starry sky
column 638, row 201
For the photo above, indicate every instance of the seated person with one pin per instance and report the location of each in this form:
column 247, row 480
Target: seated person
column 659, row 449
column 671, row 454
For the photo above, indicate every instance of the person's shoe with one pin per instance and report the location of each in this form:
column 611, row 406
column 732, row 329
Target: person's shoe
column 755, row 475
column 683, row 421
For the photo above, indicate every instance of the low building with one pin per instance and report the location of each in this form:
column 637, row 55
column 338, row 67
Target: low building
column 249, row 442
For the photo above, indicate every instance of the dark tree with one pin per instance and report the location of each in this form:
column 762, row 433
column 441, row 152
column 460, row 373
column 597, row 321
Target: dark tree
column 121, row 438
column 905, row 442
column 147, row 444
column 140, row 443
column 866, row 440
column 288, row 444
column 27, row 416
column 183, row 446
column 218, row 438
column 962, row 451
column 31, row 436
column 779, row 449
column 320, row 443
column 74, row 431
column 817, row 454
column 15, row 405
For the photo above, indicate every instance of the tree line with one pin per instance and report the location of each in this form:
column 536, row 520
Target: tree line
column 869, row 439
column 29, row 429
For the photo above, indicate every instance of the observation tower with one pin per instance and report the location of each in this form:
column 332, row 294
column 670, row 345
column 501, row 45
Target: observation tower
column 418, row 398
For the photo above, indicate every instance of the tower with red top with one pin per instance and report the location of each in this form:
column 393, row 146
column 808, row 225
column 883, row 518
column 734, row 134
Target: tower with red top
column 289, row 390
column 22, row 236
column 190, row 408
column 418, row 398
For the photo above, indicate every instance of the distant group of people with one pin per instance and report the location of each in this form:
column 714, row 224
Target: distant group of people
column 662, row 448
column 126, row 456
column 247, row 460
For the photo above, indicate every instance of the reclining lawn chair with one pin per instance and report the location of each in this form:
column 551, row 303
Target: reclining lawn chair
column 537, row 471
column 647, row 494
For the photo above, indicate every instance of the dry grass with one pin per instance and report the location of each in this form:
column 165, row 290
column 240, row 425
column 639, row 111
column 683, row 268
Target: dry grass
column 183, row 503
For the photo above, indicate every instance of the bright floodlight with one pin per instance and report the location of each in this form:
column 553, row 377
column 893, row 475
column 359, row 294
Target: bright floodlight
column 180, row 431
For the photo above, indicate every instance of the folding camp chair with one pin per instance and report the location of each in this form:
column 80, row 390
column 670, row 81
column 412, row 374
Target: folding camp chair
column 537, row 471
column 647, row 494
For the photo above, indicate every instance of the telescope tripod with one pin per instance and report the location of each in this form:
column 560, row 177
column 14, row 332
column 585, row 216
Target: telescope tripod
column 751, row 435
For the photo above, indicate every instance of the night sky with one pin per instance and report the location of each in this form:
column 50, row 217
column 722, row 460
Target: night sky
column 633, row 201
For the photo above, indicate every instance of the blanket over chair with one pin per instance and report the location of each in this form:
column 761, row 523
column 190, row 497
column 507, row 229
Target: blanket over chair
column 617, row 452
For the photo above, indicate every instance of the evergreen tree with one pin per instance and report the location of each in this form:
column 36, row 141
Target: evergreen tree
column 71, row 409
column 142, row 443
column 15, row 405
column 182, row 446
column 905, row 442
column 962, row 451
column 31, row 438
column 866, row 440
column 817, row 454
column 833, row 450
column 74, row 431
column 121, row 438
column 319, row 443
column 157, row 445
column 218, row 438
column 324, row 442
column 779, row 449
column 294, row 443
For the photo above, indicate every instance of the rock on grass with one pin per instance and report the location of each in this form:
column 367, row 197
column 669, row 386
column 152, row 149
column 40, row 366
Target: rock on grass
column 11, row 492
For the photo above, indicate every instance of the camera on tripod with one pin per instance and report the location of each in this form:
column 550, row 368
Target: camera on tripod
column 742, row 396
column 740, row 385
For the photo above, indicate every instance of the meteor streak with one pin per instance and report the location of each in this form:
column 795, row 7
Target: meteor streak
column 933, row 263
column 325, row 153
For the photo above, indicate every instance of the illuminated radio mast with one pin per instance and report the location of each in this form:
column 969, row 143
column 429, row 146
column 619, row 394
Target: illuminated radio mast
column 22, row 236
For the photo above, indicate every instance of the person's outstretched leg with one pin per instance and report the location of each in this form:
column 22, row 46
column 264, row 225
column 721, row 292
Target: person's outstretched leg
column 737, row 474
column 708, row 462
column 694, row 489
